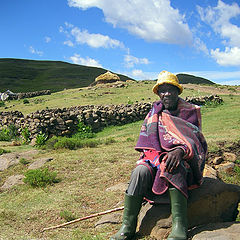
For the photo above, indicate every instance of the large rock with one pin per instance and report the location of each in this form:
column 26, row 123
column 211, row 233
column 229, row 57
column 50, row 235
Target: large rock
column 7, row 160
column 217, row 231
column 213, row 202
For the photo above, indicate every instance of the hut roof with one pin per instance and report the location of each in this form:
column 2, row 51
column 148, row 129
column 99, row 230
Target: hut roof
column 108, row 76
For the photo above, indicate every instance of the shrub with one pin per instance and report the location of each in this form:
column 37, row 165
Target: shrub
column 2, row 151
column 13, row 131
column 83, row 131
column 74, row 143
column 5, row 135
column 25, row 101
column 25, row 133
column 41, row 138
column 51, row 142
column 65, row 142
column 130, row 102
column 2, row 104
column 8, row 133
column 40, row 178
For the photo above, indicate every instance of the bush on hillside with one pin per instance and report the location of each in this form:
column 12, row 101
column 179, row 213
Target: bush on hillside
column 41, row 139
column 40, row 178
column 25, row 134
column 8, row 133
column 75, row 143
column 83, row 131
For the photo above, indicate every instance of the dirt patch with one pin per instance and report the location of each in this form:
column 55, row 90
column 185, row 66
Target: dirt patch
column 213, row 89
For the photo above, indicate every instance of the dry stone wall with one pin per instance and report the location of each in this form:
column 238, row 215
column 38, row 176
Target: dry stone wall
column 63, row 122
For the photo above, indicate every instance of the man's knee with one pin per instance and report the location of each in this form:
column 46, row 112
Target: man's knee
column 141, row 171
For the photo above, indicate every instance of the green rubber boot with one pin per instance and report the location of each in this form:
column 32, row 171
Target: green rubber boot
column 132, row 206
column 179, row 215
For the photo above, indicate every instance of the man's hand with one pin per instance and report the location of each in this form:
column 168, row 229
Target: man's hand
column 173, row 159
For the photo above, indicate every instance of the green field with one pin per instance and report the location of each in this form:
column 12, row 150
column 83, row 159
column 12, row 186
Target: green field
column 86, row 173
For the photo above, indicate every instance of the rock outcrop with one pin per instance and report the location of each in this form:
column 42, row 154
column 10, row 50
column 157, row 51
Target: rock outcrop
column 215, row 201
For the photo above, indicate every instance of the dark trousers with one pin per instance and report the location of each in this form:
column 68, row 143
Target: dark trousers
column 141, row 181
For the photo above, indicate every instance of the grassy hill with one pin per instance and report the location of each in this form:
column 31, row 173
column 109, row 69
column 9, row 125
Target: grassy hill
column 187, row 78
column 19, row 75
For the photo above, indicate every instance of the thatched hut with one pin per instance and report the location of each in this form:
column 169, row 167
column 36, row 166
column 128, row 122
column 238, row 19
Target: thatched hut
column 107, row 77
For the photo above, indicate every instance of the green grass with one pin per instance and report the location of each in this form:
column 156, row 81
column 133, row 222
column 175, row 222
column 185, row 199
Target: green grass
column 133, row 92
column 86, row 173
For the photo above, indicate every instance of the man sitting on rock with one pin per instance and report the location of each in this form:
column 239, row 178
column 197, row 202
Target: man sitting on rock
column 172, row 160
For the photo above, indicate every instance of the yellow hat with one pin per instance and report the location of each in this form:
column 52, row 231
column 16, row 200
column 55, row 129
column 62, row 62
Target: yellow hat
column 169, row 78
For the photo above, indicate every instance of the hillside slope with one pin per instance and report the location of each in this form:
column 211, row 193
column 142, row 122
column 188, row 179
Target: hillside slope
column 19, row 75
column 187, row 78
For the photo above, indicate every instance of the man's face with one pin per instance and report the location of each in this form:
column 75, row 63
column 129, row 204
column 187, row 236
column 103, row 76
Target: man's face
column 169, row 96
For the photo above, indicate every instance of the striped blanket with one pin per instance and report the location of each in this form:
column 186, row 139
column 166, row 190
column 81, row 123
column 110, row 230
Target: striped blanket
column 162, row 132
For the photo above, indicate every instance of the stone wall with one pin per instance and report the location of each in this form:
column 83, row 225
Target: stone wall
column 28, row 94
column 63, row 122
column 203, row 100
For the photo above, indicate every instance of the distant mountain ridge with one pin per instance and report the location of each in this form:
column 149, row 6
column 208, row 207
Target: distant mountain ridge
column 187, row 78
column 22, row 75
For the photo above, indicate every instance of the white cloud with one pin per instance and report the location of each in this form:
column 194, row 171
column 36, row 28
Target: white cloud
column 34, row 51
column 85, row 61
column 69, row 43
column 230, row 57
column 138, row 74
column 219, row 19
column 200, row 46
column 130, row 60
column 151, row 20
column 95, row 40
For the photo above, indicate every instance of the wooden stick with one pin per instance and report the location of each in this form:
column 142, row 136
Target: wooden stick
column 84, row 218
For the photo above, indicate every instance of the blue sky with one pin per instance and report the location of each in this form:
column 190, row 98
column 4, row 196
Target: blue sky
column 138, row 38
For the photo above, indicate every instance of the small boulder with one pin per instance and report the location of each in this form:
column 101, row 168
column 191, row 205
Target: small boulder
column 227, row 167
column 7, row 160
column 209, row 172
column 230, row 157
column 13, row 181
column 39, row 163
